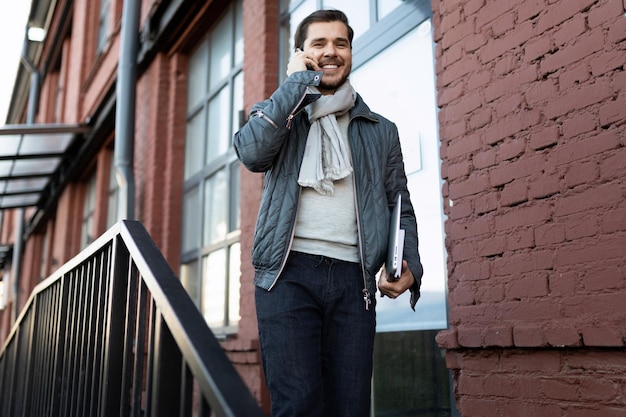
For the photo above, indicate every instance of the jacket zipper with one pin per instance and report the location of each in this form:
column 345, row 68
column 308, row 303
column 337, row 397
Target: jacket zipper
column 367, row 297
column 262, row 115
column 297, row 109
column 293, row 112
column 366, row 293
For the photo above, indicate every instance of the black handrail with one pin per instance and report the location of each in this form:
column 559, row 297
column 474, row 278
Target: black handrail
column 114, row 333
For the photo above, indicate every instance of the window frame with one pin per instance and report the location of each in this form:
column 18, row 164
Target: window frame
column 193, row 259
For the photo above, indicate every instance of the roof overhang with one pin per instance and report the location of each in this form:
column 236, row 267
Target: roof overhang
column 31, row 156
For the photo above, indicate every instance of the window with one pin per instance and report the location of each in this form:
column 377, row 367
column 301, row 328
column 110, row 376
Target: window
column 89, row 207
column 210, row 253
column 3, row 301
column 45, row 255
column 112, row 201
column 103, row 24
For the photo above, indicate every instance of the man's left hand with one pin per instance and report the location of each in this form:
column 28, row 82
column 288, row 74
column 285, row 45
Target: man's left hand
column 393, row 289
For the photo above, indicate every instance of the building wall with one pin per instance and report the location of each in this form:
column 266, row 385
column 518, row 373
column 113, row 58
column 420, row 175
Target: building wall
column 532, row 98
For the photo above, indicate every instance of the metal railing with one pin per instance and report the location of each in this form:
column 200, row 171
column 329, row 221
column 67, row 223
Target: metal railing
column 113, row 333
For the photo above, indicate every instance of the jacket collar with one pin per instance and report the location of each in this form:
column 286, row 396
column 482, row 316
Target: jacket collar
column 361, row 109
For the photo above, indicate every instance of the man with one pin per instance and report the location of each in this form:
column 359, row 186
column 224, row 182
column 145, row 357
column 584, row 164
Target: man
column 332, row 171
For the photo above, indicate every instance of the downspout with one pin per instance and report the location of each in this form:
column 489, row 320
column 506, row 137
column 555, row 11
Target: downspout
column 125, row 109
column 18, row 246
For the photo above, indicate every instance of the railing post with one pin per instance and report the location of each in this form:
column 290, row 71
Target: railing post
column 114, row 333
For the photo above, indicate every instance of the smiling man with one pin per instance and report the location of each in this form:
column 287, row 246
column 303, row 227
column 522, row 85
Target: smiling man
column 333, row 169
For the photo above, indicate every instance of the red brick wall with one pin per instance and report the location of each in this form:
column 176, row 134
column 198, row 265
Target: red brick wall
column 260, row 20
column 532, row 98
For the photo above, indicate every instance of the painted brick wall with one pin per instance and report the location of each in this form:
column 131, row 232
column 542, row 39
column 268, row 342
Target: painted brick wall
column 532, row 98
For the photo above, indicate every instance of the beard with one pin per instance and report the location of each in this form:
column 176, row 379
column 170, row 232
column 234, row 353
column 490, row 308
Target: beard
column 331, row 82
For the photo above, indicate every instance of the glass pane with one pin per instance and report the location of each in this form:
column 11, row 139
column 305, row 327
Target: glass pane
column 19, row 200
column 237, row 103
column 413, row 82
column 190, row 280
column 221, row 47
column 410, row 376
column 24, row 185
column 238, row 32
column 191, row 208
column 305, row 9
column 89, row 204
column 39, row 166
column 214, row 288
column 219, row 136
column 113, row 196
column 234, row 284
column 112, row 204
column 358, row 13
column 235, row 208
column 103, row 24
column 215, row 204
column 41, row 144
column 9, row 144
column 197, row 76
column 386, row 6
column 194, row 145
column 5, row 168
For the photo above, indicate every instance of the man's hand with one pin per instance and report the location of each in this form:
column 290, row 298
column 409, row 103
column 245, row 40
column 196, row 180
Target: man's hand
column 301, row 61
column 395, row 288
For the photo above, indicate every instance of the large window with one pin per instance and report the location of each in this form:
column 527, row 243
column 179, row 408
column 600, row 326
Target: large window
column 89, row 208
column 210, row 253
column 410, row 375
column 3, row 294
column 103, row 24
column 113, row 196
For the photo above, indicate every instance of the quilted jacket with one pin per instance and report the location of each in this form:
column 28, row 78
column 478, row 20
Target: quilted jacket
column 273, row 141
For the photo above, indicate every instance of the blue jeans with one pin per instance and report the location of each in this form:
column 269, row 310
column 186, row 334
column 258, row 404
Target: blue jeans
column 317, row 339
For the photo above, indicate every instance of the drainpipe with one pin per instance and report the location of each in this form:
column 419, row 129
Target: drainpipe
column 125, row 109
column 18, row 246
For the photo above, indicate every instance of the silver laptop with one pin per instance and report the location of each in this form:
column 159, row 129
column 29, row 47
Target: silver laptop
column 395, row 248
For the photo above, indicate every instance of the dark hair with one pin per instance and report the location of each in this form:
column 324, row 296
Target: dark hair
column 320, row 16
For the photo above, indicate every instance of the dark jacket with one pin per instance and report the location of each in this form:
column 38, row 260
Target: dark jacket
column 273, row 142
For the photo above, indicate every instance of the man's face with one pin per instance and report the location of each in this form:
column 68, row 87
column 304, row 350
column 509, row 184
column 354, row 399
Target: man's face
column 328, row 43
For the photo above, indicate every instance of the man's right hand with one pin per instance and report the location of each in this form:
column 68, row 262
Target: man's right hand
column 301, row 61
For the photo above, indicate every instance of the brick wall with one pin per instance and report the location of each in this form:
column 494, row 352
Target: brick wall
column 532, row 98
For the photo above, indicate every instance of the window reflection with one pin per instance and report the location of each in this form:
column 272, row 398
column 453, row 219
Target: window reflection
column 414, row 86
column 387, row 6
column 214, row 288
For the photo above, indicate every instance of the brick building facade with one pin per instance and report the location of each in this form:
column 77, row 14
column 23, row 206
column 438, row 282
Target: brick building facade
column 531, row 121
column 532, row 100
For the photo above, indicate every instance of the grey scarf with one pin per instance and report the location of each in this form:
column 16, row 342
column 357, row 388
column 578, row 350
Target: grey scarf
column 326, row 155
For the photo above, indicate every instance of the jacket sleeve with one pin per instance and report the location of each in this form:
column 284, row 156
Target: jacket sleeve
column 259, row 141
column 396, row 181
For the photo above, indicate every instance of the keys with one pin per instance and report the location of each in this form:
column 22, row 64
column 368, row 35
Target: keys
column 366, row 298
